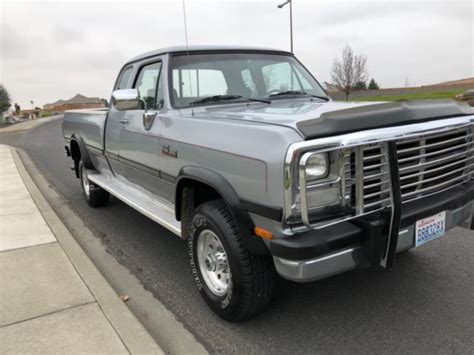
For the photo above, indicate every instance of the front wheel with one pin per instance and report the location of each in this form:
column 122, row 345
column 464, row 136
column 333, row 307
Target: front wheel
column 94, row 195
column 235, row 283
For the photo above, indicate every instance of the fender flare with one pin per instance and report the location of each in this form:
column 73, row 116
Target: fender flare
column 231, row 199
column 82, row 148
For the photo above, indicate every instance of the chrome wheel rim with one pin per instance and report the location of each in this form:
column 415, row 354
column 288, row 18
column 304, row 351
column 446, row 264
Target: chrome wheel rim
column 85, row 182
column 213, row 262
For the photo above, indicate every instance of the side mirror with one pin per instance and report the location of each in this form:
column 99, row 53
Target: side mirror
column 126, row 99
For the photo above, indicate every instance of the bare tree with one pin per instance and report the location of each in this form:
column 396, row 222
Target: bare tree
column 350, row 70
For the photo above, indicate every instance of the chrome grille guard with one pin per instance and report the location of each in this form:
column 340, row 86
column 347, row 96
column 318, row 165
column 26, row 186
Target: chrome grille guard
column 376, row 154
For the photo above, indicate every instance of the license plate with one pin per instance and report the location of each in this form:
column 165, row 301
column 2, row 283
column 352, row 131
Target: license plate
column 430, row 228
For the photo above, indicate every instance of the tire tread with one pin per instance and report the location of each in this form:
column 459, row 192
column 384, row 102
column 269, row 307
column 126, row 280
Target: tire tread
column 259, row 276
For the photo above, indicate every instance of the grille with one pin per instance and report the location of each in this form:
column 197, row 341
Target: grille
column 433, row 163
column 373, row 178
column 349, row 178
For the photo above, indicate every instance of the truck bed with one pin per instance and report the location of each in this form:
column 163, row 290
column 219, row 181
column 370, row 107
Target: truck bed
column 90, row 123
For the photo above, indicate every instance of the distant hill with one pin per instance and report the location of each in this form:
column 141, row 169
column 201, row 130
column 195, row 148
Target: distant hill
column 76, row 102
column 467, row 81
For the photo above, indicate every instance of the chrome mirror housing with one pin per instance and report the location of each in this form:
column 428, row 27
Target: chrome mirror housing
column 126, row 99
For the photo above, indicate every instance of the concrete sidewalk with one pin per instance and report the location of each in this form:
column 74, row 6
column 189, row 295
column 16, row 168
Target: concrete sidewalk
column 52, row 298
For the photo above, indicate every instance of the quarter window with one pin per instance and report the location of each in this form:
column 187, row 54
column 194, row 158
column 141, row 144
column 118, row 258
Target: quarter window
column 124, row 79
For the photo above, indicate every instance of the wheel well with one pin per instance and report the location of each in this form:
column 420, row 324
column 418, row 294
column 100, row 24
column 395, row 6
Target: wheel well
column 75, row 155
column 198, row 193
column 75, row 151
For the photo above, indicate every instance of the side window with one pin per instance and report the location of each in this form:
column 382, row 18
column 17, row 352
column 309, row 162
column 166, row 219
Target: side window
column 124, row 79
column 147, row 84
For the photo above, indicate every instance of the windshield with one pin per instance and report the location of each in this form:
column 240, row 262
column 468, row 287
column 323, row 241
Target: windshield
column 240, row 76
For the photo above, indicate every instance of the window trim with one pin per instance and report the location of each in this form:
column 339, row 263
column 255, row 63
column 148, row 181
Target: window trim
column 137, row 74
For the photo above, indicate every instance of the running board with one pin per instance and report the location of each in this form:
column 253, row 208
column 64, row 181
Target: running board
column 154, row 208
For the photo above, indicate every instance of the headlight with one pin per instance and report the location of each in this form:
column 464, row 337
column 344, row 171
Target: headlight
column 317, row 166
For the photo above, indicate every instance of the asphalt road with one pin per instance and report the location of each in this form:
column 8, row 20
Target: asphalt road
column 424, row 305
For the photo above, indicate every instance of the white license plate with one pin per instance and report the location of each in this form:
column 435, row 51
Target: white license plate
column 430, row 228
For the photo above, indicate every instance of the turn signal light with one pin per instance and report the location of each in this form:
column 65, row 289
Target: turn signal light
column 263, row 233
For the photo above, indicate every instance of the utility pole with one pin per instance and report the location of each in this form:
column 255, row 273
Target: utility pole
column 291, row 20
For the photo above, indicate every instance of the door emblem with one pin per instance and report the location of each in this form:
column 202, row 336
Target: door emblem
column 166, row 150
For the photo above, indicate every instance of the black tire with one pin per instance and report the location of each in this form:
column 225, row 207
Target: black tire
column 93, row 194
column 252, row 276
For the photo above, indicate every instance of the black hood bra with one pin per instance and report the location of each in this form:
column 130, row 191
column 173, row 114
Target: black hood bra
column 381, row 116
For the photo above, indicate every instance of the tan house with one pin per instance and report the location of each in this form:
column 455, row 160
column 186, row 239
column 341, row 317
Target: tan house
column 77, row 102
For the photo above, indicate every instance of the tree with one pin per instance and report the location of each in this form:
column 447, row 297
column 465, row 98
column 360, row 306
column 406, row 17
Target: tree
column 360, row 85
column 350, row 70
column 373, row 85
column 5, row 102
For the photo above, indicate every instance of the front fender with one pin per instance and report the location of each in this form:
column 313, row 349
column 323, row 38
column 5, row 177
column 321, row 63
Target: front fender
column 231, row 199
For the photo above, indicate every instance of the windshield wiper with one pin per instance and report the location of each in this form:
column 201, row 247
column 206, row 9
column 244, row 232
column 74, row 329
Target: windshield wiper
column 298, row 92
column 217, row 98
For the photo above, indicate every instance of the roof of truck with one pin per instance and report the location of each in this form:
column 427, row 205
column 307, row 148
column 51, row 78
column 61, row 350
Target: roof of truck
column 197, row 48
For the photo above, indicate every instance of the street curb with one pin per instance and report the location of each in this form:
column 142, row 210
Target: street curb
column 130, row 330
column 171, row 334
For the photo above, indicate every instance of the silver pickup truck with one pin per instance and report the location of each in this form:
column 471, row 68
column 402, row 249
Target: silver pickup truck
column 240, row 152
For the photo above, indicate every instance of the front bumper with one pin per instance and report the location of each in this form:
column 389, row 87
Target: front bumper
column 321, row 253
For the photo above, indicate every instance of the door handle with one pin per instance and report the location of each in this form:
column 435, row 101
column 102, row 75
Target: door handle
column 148, row 118
column 124, row 121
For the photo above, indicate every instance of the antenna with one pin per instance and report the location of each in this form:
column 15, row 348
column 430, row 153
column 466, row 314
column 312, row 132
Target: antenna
column 187, row 54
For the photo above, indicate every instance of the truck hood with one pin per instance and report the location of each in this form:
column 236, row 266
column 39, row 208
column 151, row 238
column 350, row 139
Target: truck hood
column 318, row 119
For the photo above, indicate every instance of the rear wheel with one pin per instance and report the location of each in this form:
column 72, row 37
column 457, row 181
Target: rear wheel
column 94, row 195
column 235, row 283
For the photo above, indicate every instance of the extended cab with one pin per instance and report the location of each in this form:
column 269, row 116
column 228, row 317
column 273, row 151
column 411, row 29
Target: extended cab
column 240, row 152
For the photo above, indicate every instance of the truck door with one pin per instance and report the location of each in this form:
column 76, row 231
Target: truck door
column 112, row 128
column 139, row 147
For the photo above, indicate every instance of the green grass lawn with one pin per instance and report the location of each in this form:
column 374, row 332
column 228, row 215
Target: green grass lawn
column 431, row 95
